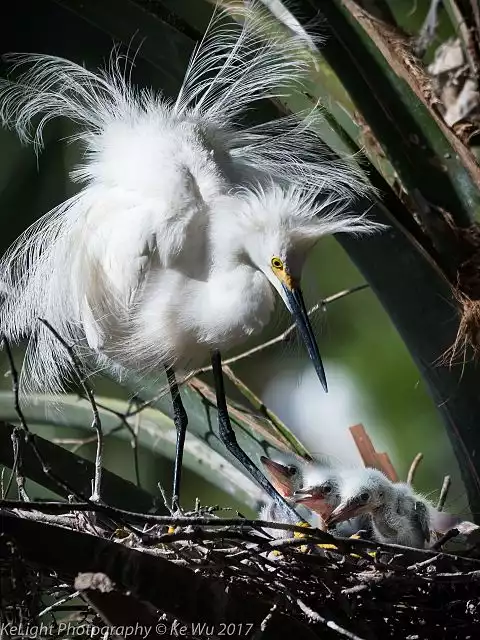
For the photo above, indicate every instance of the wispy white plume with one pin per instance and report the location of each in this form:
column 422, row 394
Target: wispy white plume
column 153, row 171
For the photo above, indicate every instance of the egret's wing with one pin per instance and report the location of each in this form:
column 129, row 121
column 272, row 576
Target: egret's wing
column 128, row 236
column 82, row 266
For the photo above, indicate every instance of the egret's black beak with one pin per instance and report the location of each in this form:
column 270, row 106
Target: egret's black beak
column 299, row 312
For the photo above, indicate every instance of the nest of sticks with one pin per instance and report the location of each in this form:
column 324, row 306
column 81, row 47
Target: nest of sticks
column 94, row 566
column 84, row 567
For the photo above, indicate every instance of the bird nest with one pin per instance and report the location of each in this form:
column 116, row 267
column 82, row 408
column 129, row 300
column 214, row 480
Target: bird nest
column 95, row 570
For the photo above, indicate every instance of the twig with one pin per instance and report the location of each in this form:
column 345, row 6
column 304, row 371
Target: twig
column 165, row 499
column 263, row 625
column 344, row 546
column 428, row 29
column 444, row 493
column 413, row 467
column 16, row 471
column 70, row 596
column 316, row 617
column 30, row 437
column 133, row 430
column 465, row 34
column 96, row 423
column 17, row 464
column 385, row 464
column 15, row 384
column 311, row 533
column 451, row 533
column 476, row 16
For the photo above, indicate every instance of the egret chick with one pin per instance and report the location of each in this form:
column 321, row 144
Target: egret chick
column 285, row 476
column 186, row 224
column 398, row 515
column 320, row 491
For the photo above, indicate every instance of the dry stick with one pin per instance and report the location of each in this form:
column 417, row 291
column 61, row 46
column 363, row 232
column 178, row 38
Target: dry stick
column 428, row 29
column 30, row 438
column 15, row 440
column 123, row 419
column 312, row 535
column 17, row 464
column 451, row 533
column 386, row 466
column 465, row 34
column 476, row 15
column 370, row 456
column 250, row 352
column 56, row 604
column 316, row 617
column 447, row 481
column 96, row 423
column 413, row 467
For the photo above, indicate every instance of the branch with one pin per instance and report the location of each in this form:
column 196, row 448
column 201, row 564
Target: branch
column 148, row 578
column 444, row 493
column 96, row 423
column 413, row 467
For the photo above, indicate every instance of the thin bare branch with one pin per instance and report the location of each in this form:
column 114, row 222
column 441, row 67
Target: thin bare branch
column 447, row 481
column 96, row 423
column 413, row 468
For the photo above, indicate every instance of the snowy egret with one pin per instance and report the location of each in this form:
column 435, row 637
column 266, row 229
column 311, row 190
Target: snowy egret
column 187, row 220
column 398, row 515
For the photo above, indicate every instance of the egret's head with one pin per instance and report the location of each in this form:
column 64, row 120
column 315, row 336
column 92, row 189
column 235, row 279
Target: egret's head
column 321, row 491
column 285, row 476
column 361, row 491
column 278, row 227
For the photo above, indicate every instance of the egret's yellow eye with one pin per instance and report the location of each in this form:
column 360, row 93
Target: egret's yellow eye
column 276, row 263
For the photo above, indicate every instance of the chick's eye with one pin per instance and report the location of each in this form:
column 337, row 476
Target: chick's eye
column 276, row 263
column 291, row 470
column 327, row 488
column 364, row 496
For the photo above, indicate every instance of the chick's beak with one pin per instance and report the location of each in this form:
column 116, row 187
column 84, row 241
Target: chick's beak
column 345, row 511
column 279, row 476
column 296, row 306
column 314, row 499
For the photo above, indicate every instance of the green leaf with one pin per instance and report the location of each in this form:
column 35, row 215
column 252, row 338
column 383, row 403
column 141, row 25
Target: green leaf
column 156, row 432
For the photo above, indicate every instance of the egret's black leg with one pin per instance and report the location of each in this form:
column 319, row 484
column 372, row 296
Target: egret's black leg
column 180, row 420
column 229, row 439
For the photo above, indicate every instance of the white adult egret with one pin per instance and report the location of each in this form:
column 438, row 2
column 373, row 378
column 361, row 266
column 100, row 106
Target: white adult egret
column 398, row 515
column 186, row 223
